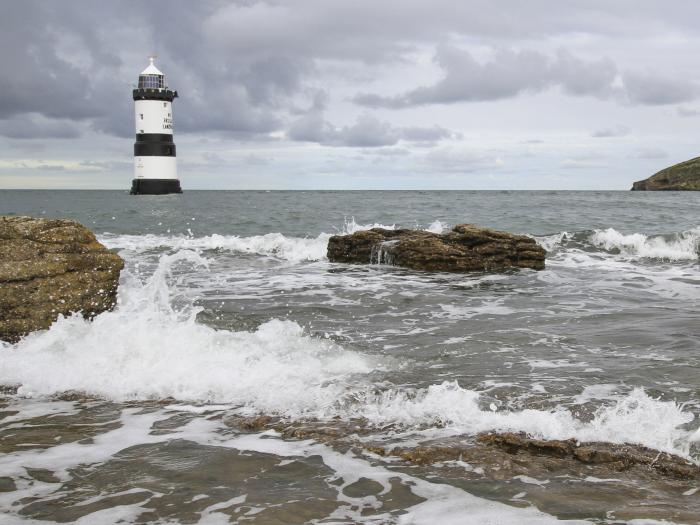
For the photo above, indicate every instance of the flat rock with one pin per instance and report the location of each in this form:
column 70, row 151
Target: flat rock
column 684, row 176
column 467, row 248
column 52, row 267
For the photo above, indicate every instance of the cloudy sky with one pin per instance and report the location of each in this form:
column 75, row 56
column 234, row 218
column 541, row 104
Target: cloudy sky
column 355, row 94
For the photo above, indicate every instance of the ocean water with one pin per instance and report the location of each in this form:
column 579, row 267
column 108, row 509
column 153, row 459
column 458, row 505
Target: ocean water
column 228, row 309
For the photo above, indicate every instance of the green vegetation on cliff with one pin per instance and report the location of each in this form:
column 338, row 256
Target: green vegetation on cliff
column 684, row 176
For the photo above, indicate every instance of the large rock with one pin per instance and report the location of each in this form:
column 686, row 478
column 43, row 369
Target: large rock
column 684, row 176
column 467, row 248
column 51, row 267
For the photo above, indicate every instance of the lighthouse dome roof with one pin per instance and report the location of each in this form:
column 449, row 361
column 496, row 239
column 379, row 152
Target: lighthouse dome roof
column 151, row 69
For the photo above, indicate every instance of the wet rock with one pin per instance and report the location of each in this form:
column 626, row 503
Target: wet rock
column 614, row 456
column 684, row 176
column 467, row 248
column 255, row 423
column 51, row 267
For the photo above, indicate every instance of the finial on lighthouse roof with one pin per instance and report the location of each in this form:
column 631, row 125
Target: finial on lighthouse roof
column 151, row 69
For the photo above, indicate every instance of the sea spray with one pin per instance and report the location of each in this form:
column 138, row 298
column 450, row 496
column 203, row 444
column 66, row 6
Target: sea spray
column 152, row 347
column 634, row 418
column 148, row 349
column 676, row 247
column 681, row 246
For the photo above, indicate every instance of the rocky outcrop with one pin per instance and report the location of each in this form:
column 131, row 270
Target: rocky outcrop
column 51, row 267
column 684, row 176
column 501, row 454
column 467, row 248
column 616, row 457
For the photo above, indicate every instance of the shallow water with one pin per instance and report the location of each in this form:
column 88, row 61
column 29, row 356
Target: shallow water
column 229, row 308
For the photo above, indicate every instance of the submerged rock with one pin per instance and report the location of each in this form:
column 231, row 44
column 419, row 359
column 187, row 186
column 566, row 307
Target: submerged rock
column 614, row 456
column 467, row 248
column 684, row 176
column 50, row 267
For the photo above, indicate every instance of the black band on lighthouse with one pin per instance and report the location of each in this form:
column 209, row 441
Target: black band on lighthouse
column 154, row 145
column 155, row 186
column 154, row 137
column 154, row 94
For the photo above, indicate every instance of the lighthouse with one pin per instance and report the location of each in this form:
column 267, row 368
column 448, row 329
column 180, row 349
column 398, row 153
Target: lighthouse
column 155, row 168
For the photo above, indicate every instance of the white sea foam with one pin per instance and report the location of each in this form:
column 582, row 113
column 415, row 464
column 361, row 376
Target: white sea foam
column 549, row 242
column 683, row 246
column 437, row 227
column 147, row 349
column 680, row 246
column 288, row 248
column 294, row 249
column 636, row 418
column 442, row 503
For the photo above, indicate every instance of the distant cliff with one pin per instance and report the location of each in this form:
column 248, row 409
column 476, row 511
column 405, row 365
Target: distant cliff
column 680, row 177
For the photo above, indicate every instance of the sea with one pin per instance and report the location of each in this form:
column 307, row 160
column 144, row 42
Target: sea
column 244, row 378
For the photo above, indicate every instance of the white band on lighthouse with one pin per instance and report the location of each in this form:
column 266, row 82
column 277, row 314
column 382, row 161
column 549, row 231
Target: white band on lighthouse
column 155, row 166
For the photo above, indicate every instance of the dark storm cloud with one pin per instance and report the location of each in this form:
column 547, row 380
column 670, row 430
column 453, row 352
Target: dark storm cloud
column 243, row 67
column 80, row 59
column 37, row 126
column 35, row 78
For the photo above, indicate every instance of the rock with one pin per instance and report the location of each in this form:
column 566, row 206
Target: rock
column 467, row 248
column 50, row 267
column 615, row 456
column 684, row 176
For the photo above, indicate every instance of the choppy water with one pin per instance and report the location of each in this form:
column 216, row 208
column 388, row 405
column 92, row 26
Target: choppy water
column 228, row 307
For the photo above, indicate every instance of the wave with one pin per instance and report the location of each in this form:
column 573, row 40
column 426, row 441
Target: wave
column 293, row 249
column 635, row 418
column 682, row 246
column 149, row 349
column 152, row 347
column 676, row 247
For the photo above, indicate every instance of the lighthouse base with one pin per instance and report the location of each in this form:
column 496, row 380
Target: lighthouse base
column 155, row 186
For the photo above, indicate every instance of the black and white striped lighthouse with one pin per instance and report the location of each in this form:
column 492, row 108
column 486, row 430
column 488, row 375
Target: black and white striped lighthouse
column 155, row 167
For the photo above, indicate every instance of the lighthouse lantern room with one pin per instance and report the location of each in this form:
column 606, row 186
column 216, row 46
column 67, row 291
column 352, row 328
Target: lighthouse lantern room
column 155, row 168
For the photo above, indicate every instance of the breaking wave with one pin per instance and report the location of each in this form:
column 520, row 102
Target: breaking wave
column 150, row 348
column 683, row 246
column 293, row 249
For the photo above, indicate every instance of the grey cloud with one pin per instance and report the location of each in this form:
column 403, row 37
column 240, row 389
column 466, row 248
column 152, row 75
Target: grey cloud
column 37, row 126
column 584, row 160
column 619, row 130
column 507, row 74
column 387, row 152
column 71, row 72
column 687, row 112
column 391, row 28
column 51, row 167
column 451, row 160
column 428, row 134
column 649, row 153
column 655, row 89
column 367, row 132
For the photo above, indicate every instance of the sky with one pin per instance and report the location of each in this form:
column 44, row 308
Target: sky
column 354, row 94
